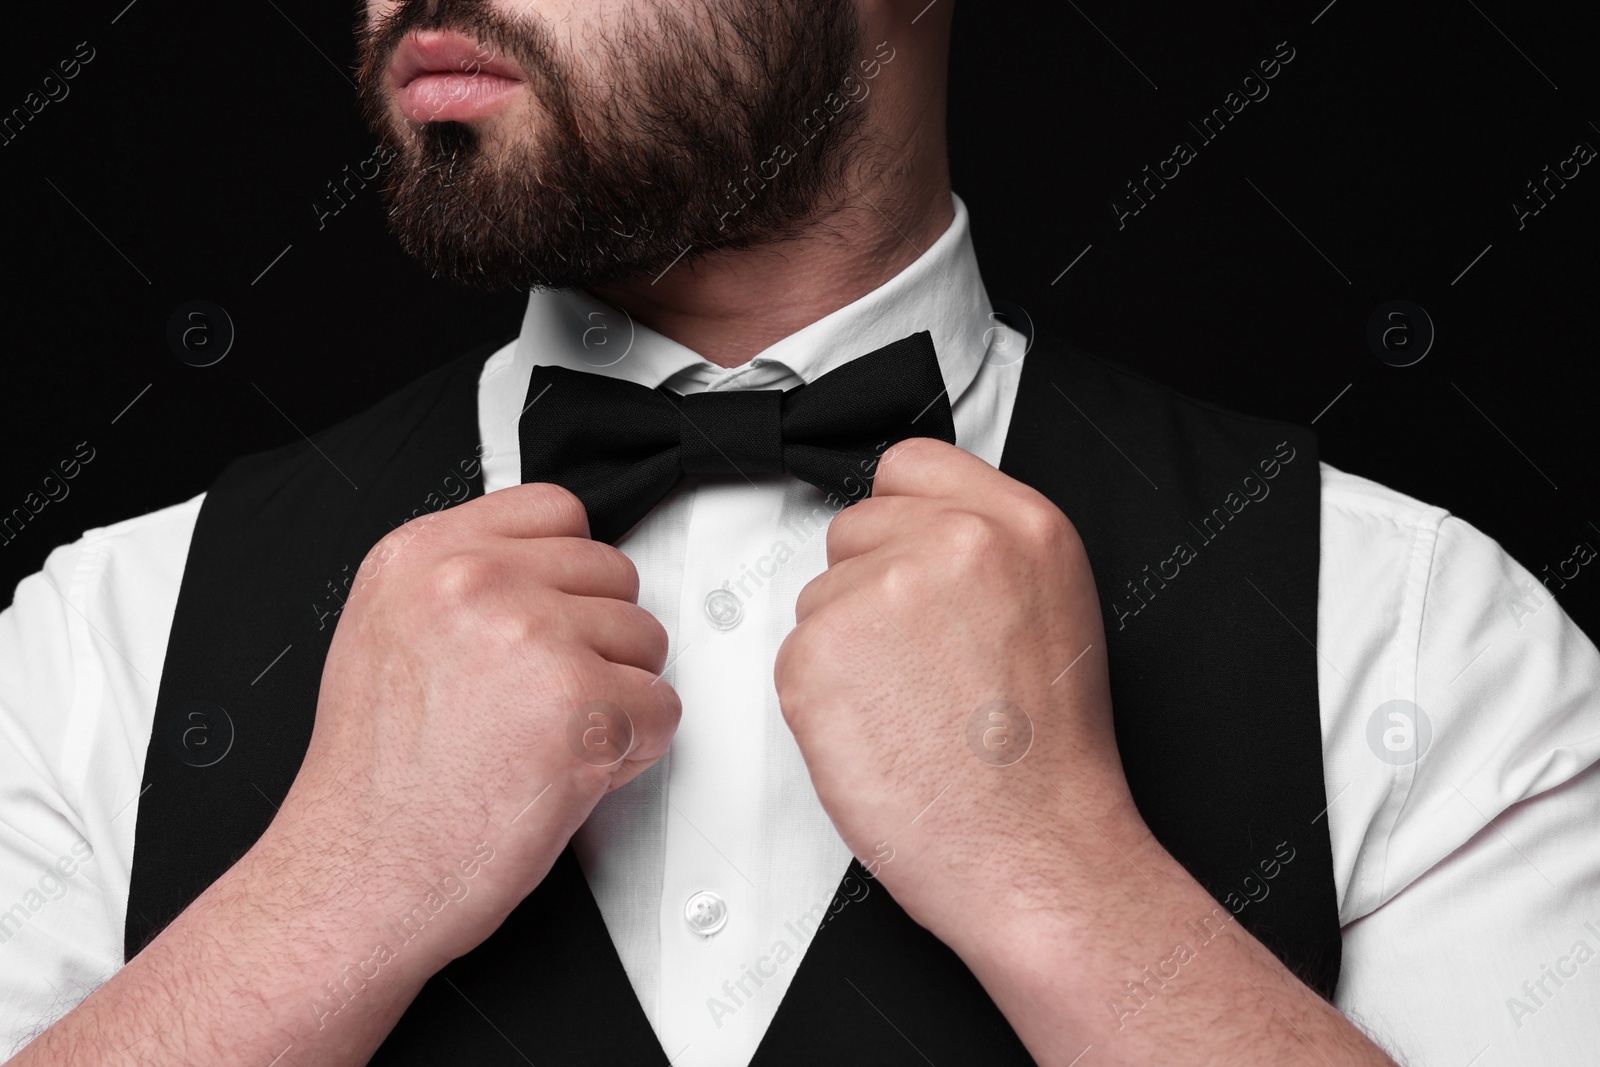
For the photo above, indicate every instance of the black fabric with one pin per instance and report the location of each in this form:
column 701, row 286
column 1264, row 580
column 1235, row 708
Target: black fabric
column 621, row 447
column 1213, row 675
column 273, row 551
column 731, row 433
column 1213, row 671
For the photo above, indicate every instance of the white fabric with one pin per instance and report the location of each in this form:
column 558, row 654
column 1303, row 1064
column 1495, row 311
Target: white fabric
column 1445, row 915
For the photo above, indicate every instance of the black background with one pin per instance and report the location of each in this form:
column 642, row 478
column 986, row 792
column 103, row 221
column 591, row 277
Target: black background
column 189, row 155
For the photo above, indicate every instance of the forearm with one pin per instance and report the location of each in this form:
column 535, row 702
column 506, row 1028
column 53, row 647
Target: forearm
column 1115, row 963
column 257, row 965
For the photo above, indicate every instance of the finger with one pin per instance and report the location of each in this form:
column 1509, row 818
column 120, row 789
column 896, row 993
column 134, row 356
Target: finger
column 924, row 466
column 620, row 632
column 624, row 722
column 532, row 509
column 578, row 566
column 875, row 522
column 653, row 709
column 842, row 579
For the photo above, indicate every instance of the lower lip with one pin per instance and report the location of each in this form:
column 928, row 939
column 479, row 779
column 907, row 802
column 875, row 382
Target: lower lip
column 455, row 97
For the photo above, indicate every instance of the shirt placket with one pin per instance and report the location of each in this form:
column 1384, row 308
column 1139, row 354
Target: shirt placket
column 711, row 910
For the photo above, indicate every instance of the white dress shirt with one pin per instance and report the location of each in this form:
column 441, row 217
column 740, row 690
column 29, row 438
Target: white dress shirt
column 1468, row 880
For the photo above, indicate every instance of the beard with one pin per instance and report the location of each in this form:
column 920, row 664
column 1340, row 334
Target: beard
column 683, row 129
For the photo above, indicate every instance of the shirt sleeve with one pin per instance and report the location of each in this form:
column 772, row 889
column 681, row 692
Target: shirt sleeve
column 1464, row 781
column 81, row 650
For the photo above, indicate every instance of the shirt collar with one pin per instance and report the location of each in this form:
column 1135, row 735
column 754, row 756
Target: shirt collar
column 940, row 291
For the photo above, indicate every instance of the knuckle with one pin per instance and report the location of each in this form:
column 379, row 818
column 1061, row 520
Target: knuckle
column 1043, row 524
column 899, row 579
column 970, row 537
column 621, row 569
column 651, row 633
column 793, row 674
column 459, row 579
column 838, row 530
column 783, row 665
column 811, row 597
column 670, row 703
column 804, row 605
column 614, row 572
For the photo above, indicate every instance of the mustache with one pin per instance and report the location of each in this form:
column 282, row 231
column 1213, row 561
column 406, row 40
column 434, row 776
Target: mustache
column 525, row 41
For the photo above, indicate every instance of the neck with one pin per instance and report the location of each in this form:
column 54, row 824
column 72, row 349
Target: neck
column 730, row 306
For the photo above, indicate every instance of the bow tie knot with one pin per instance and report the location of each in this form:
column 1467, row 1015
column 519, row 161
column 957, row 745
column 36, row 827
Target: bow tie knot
column 730, row 433
column 620, row 447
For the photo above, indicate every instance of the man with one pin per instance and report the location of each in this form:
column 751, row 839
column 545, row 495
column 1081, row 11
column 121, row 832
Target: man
column 1132, row 767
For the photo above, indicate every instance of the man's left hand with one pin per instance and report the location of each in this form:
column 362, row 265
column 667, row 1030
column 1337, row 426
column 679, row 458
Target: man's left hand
column 946, row 681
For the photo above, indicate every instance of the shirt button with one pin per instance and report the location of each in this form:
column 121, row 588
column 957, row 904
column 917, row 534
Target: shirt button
column 723, row 609
column 706, row 913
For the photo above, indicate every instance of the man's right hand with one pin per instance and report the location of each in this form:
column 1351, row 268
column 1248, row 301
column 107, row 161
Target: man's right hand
column 458, row 708
column 491, row 678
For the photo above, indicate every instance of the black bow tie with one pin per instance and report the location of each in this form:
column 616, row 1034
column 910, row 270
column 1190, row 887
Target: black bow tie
column 621, row 447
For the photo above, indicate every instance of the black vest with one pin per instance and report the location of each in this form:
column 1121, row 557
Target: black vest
column 1202, row 530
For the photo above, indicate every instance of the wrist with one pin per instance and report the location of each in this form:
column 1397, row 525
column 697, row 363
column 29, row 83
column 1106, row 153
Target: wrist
column 328, row 910
column 265, row 960
column 384, row 879
column 1066, row 863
